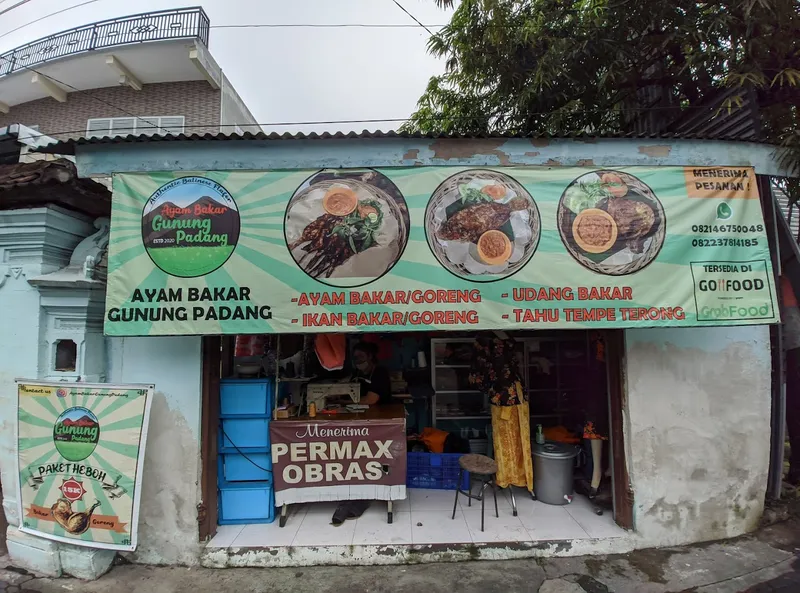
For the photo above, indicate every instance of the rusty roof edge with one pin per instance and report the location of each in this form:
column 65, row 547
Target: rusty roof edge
column 68, row 147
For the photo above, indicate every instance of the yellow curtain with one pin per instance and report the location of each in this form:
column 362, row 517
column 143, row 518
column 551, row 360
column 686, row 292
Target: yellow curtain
column 511, row 428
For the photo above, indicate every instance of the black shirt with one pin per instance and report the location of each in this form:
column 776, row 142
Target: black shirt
column 378, row 381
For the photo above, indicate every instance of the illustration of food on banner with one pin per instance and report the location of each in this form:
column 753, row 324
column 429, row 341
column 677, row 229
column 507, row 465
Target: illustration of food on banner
column 347, row 228
column 482, row 225
column 81, row 449
column 611, row 222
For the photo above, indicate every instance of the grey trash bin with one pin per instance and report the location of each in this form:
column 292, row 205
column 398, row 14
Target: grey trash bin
column 552, row 472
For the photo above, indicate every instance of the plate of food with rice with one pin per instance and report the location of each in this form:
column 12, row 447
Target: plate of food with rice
column 482, row 225
column 611, row 222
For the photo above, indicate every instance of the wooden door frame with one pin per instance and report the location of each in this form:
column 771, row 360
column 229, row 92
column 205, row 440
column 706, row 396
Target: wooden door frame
column 207, row 509
column 618, row 401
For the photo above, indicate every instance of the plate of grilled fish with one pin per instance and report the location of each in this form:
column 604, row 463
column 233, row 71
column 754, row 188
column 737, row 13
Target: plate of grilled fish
column 482, row 225
column 346, row 229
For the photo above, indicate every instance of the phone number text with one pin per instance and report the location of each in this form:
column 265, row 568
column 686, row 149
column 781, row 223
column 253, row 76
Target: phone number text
column 727, row 228
column 724, row 242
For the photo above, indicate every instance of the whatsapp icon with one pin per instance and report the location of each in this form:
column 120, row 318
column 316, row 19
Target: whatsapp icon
column 724, row 211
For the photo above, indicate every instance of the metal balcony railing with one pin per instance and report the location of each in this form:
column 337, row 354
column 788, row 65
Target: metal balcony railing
column 182, row 23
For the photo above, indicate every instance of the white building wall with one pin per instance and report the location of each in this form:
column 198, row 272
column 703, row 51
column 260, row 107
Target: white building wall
column 233, row 111
column 38, row 241
column 168, row 530
column 33, row 241
column 697, row 430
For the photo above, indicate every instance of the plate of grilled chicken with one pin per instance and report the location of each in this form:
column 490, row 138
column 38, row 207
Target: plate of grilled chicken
column 482, row 225
column 346, row 229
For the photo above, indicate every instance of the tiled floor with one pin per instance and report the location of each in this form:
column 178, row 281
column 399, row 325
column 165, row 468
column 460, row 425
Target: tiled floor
column 425, row 518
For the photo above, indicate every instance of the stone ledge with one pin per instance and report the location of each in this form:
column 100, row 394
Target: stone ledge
column 372, row 555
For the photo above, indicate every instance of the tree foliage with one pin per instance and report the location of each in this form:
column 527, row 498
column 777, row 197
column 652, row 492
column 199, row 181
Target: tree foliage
column 598, row 66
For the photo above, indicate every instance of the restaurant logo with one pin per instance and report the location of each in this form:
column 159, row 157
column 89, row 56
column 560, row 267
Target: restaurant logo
column 76, row 433
column 190, row 226
column 72, row 489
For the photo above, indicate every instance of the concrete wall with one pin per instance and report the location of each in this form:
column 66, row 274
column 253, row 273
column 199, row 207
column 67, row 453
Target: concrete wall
column 261, row 155
column 32, row 242
column 234, row 112
column 38, row 241
column 195, row 100
column 168, row 532
column 697, row 431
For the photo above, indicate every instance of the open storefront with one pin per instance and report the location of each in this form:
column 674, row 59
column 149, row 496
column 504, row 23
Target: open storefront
column 439, row 412
column 490, row 299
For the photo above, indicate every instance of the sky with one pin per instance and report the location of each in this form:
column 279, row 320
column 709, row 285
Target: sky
column 286, row 75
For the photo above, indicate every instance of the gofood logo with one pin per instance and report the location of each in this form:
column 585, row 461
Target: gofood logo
column 76, row 433
column 190, row 226
column 727, row 285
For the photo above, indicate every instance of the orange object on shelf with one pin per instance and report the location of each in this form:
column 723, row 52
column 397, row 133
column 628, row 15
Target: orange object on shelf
column 560, row 434
column 434, row 439
column 331, row 350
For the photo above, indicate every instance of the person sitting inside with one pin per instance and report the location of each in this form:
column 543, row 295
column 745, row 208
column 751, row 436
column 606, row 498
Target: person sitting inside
column 376, row 385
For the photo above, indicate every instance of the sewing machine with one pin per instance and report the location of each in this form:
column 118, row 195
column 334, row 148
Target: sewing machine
column 320, row 393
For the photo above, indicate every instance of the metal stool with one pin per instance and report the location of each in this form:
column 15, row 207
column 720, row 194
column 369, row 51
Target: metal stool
column 481, row 469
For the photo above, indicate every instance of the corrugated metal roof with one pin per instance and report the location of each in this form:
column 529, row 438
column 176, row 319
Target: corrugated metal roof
column 68, row 146
column 731, row 113
column 790, row 211
column 734, row 112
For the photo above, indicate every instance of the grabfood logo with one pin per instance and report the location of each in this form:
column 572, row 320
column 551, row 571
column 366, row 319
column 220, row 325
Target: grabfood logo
column 190, row 226
column 76, row 433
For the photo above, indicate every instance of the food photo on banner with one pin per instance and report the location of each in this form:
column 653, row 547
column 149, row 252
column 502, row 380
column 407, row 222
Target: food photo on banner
column 437, row 248
column 80, row 455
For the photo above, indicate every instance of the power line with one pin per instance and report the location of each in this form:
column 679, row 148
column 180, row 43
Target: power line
column 12, row 7
column 323, row 26
column 413, row 17
column 47, row 16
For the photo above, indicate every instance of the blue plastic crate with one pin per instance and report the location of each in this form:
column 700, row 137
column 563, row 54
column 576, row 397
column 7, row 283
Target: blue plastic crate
column 245, row 432
column 247, row 503
column 246, row 396
column 237, row 468
column 434, row 471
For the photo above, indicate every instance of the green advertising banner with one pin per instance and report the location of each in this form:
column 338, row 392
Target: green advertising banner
column 446, row 248
column 80, row 450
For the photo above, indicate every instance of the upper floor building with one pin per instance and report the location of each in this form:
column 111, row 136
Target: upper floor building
column 140, row 74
